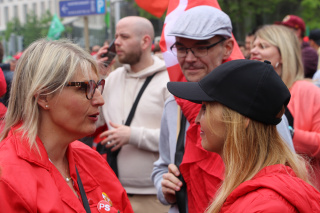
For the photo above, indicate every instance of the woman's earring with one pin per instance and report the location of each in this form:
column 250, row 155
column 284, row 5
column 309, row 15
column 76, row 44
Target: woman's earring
column 47, row 105
column 277, row 64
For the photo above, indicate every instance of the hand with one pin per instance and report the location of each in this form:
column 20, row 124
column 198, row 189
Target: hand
column 116, row 137
column 170, row 183
column 103, row 70
column 13, row 64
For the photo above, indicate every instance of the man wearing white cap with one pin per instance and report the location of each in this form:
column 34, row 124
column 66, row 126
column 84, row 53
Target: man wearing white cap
column 203, row 42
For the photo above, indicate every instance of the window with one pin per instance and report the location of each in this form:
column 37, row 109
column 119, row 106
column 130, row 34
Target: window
column 6, row 14
column 25, row 11
column 34, row 7
column 43, row 8
column 49, row 5
column 15, row 11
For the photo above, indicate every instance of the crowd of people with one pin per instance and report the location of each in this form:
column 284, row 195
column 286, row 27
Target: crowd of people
column 242, row 134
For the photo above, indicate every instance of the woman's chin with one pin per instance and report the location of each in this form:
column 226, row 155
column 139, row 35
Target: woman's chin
column 203, row 144
column 88, row 131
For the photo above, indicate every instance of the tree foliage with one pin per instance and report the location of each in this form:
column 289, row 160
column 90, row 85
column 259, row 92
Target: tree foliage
column 310, row 13
column 13, row 26
column 33, row 29
column 247, row 15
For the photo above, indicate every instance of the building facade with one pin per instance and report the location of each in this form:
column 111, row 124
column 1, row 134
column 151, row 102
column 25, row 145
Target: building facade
column 10, row 9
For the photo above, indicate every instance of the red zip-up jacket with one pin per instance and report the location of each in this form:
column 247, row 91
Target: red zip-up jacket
column 275, row 188
column 30, row 183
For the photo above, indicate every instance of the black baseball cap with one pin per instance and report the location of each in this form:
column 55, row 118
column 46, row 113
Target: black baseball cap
column 251, row 88
column 315, row 36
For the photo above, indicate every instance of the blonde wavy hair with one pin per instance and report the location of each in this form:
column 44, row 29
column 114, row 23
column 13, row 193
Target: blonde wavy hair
column 249, row 147
column 290, row 50
column 44, row 68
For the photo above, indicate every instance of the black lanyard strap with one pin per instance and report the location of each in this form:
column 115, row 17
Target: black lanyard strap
column 83, row 193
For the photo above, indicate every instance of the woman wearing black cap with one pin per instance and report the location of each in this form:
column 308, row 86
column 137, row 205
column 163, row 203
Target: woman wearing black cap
column 242, row 101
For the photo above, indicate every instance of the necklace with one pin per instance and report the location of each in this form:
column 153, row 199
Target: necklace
column 67, row 179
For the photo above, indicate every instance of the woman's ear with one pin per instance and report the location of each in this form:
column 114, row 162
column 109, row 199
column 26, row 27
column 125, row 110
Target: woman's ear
column 42, row 101
column 246, row 122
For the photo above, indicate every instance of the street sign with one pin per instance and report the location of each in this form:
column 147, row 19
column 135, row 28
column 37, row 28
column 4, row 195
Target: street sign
column 81, row 7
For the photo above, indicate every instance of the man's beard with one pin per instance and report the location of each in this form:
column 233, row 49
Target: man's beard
column 131, row 58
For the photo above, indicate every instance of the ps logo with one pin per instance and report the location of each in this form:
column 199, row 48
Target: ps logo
column 104, row 206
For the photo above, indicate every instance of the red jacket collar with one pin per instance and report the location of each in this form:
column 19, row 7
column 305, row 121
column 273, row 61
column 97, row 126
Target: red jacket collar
column 31, row 154
column 40, row 158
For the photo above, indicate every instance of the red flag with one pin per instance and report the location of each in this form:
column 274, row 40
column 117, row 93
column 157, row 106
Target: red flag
column 175, row 9
column 155, row 7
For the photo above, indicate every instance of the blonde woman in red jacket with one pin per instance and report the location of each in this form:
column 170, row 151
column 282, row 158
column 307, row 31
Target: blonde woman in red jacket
column 242, row 101
column 281, row 47
column 55, row 99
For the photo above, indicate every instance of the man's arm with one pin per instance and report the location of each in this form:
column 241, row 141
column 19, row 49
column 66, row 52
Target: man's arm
column 283, row 130
column 160, row 167
column 5, row 66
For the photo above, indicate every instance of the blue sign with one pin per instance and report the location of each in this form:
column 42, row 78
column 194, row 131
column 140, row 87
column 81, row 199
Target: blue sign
column 81, row 7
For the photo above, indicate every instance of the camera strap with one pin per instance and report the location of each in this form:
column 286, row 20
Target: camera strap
column 135, row 104
column 112, row 156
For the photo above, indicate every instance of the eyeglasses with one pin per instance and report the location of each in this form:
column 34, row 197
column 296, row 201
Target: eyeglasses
column 199, row 51
column 89, row 86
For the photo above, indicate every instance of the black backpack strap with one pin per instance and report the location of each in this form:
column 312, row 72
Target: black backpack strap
column 290, row 120
column 182, row 194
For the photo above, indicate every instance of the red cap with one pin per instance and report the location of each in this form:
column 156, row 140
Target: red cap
column 17, row 56
column 294, row 22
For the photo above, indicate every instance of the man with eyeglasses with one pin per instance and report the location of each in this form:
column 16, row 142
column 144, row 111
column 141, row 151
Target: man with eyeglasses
column 203, row 42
